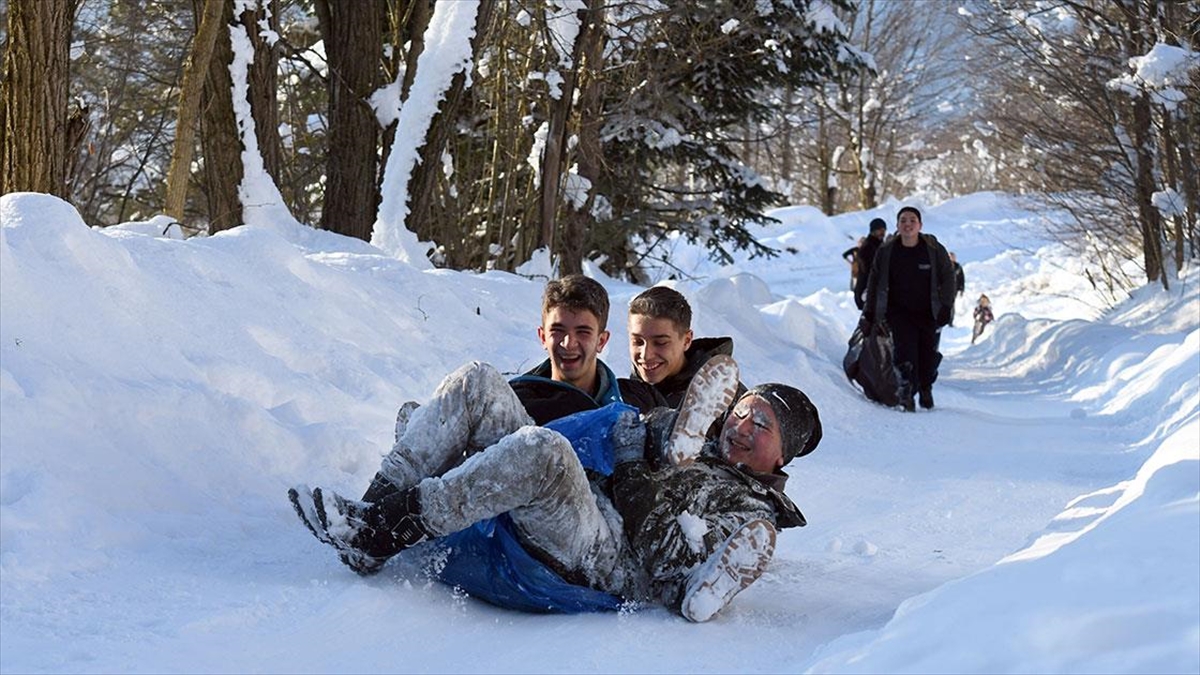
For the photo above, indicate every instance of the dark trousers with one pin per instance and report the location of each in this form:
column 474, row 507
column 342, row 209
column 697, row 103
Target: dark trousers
column 916, row 340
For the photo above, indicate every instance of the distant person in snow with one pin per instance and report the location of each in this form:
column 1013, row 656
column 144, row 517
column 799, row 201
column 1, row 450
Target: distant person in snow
column 912, row 290
column 866, row 258
column 960, row 283
column 689, row 523
column 983, row 316
column 850, row 255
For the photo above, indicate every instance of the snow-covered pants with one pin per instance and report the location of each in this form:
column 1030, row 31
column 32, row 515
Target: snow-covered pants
column 472, row 408
column 510, row 466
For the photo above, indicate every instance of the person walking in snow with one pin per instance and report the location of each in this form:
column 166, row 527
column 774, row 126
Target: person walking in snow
column 662, row 348
column 866, row 258
column 689, row 524
column 960, row 283
column 983, row 316
column 912, row 290
column 850, row 255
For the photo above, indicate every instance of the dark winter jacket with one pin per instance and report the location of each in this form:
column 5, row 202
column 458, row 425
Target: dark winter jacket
column 866, row 258
column 641, row 395
column 724, row 496
column 941, row 281
column 547, row 399
column 701, row 350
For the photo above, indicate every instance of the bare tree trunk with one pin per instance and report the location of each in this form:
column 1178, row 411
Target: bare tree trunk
column 219, row 138
column 587, row 74
column 427, row 172
column 408, row 23
column 1190, row 178
column 826, row 171
column 353, row 43
column 33, row 105
column 263, row 89
column 194, row 75
column 1150, row 220
column 1148, row 215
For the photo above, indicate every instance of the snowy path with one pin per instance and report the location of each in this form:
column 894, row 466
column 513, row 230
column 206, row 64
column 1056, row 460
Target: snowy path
column 159, row 397
column 897, row 504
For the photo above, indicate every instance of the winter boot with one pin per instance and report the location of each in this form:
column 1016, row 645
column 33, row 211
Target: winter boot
column 339, row 529
column 926, row 397
column 737, row 563
column 379, row 488
column 708, row 396
column 402, row 416
column 365, row 535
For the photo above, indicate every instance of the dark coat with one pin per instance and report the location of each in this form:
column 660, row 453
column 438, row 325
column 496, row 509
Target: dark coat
column 941, row 280
column 723, row 495
column 866, row 259
column 701, row 350
column 546, row 399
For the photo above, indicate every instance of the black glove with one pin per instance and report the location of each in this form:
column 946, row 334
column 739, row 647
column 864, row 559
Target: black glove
column 943, row 317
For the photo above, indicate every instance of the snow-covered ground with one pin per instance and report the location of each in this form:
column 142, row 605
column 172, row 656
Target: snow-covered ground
column 158, row 396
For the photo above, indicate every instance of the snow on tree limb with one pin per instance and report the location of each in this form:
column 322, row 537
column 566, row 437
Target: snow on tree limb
column 447, row 52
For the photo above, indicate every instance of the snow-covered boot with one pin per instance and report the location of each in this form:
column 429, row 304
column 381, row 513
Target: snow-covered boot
column 379, row 488
column 736, row 564
column 365, row 535
column 402, row 416
column 340, row 526
column 708, row 396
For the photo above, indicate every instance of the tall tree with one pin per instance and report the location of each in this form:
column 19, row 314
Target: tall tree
column 195, row 73
column 353, row 36
column 34, row 101
column 219, row 138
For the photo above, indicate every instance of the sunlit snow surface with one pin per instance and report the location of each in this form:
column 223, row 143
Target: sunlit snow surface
column 159, row 395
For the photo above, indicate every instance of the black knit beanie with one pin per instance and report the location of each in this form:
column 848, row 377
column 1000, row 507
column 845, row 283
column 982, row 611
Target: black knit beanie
column 877, row 224
column 799, row 423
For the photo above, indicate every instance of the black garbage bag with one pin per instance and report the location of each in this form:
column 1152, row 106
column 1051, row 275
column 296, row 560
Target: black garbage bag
column 850, row 360
column 870, row 362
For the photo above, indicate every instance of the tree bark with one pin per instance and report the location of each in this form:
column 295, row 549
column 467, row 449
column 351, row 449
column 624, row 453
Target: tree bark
column 353, row 43
column 219, row 137
column 194, row 75
column 33, row 109
column 587, row 78
column 427, row 171
column 263, row 88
